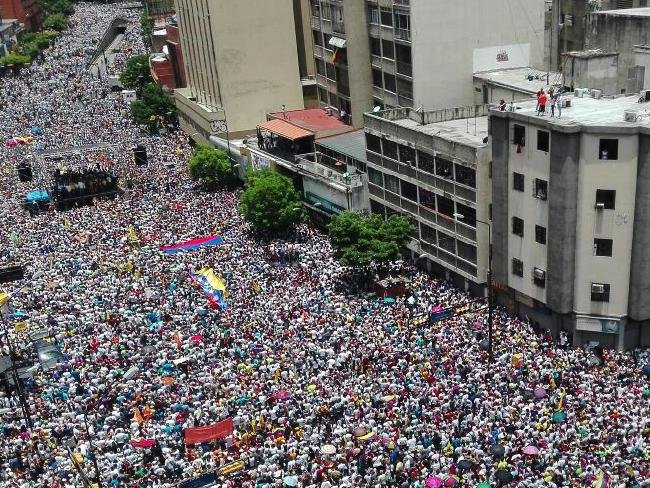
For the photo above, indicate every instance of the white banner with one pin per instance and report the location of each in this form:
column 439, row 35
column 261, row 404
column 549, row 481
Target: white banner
column 501, row 57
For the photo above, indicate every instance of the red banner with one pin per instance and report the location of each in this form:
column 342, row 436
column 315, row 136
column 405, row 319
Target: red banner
column 220, row 430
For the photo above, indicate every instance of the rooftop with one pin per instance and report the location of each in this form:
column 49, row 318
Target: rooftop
column 605, row 113
column 351, row 144
column 315, row 120
column 626, row 12
column 469, row 132
column 524, row 80
column 589, row 53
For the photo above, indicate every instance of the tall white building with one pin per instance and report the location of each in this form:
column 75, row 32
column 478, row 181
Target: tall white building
column 571, row 226
column 412, row 53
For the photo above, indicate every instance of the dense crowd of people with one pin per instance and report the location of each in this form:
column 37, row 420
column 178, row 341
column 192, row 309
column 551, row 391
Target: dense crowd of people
column 326, row 386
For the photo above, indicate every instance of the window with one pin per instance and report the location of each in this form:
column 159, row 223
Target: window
column 444, row 168
column 600, row 292
column 386, row 17
column 392, row 183
column 517, row 267
column 428, row 233
column 318, row 39
column 540, row 234
column 603, row 247
column 518, row 226
column 539, row 277
column 445, row 206
column 320, row 67
column 375, row 177
column 377, row 78
column 315, row 8
column 373, row 15
column 390, row 149
column 409, row 191
column 388, row 49
column 323, row 95
column 608, row 149
column 425, row 162
column 446, row 242
column 465, row 176
column 331, row 71
column 373, row 143
column 402, row 21
column 605, row 199
column 517, row 181
column 377, row 208
column 519, row 135
column 326, row 11
column 468, row 213
column 466, row 251
column 389, row 83
column 375, row 46
column 540, row 189
column 427, row 198
column 543, row 140
column 406, row 155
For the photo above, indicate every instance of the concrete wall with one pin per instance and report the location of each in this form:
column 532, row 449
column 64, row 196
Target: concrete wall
column 639, row 304
column 616, row 224
column 533, row 164
column 444, row 40
column 304, row 39
column 561, row 234
column 500, row 139
column 599, row 73
column 255, row 48
column 358, row 51
column 617, row 33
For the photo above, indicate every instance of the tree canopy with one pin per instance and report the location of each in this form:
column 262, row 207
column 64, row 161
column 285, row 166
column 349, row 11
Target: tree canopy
column 15, row 59
column 57, row 22
column 270, row 202
column 153, row 103
column 211, row 166
column 49, row 7
column 359, row 240
column 136, row 73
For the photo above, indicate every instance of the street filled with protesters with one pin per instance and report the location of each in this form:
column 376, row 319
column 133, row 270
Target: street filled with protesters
column 295, row 376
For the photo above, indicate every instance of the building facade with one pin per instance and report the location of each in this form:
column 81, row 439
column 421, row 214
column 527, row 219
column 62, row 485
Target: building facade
column 240, row 64
column 27, row 12
column 434, row 168
column 569, row 205
column 390, row 53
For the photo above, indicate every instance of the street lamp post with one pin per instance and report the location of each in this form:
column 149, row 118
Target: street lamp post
column 12, row 356
column 459, row 216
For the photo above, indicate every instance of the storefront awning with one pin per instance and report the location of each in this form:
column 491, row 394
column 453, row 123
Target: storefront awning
column 285, row 129
column 337, row 42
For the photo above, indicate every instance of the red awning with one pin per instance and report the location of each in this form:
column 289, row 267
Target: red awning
column 286, row 129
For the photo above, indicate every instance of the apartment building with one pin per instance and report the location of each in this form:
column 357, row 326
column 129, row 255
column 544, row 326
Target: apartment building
column 570, row 223
column 434, row 168
column 241, row 63
column 417, row 53
column 27, row 12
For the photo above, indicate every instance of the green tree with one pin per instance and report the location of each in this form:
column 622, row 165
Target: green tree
column 15, row 59
column 57, row 22
column 211, row 166
column 50, row 7
column 136, row 73
column 154, row 103
column 147, row 24
column 141, row 113
column 270, row 202
column 359, row 241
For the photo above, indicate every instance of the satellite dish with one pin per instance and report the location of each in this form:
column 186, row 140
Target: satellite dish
column 376, row 109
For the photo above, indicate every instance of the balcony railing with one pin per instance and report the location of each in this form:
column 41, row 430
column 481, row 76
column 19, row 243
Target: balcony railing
column 402, row 2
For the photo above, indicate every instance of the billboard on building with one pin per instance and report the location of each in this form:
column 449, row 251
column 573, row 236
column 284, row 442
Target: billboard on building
column 501, row 57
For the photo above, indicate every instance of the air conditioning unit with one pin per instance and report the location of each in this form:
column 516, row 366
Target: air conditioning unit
column 597, row 94
column 539, row 273
column 600, row 205
column 597, row 288
column 644, row 95
column 566, row 103
column 632, row 116
column 328, row 110
column 579, row 92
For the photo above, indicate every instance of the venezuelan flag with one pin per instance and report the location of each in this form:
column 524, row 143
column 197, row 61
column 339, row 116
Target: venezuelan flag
column 602, row 481
column 193, row 244
column 213, row 286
